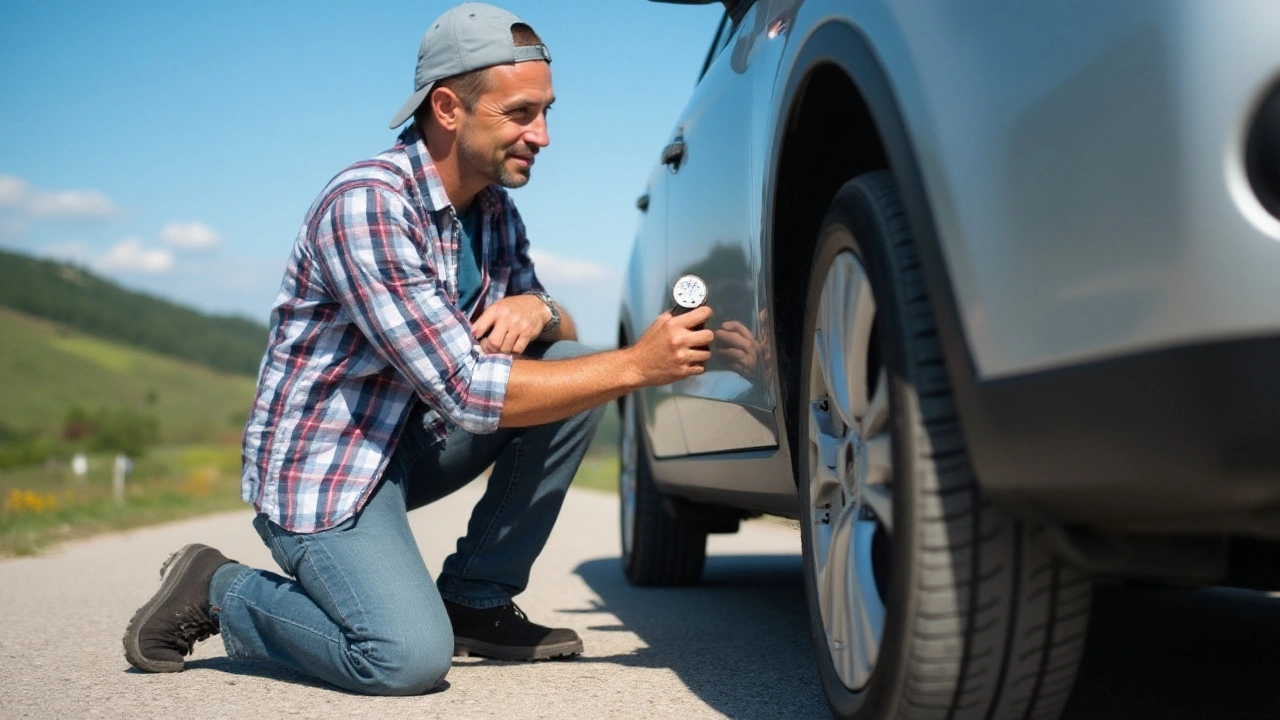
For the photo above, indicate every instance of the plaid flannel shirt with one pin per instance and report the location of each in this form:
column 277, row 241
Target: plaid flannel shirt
column 366, row 324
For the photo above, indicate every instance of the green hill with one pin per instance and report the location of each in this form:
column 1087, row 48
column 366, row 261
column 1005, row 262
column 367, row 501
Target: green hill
column 46, row 369
column 81, row 300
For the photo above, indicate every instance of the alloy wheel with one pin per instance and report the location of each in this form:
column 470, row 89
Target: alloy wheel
column 850, row 470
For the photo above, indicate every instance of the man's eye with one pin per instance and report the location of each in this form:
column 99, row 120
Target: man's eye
column 527, row 111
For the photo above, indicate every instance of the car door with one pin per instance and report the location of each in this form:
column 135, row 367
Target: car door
column 647, row 299
column 714, row 209
column 650, row 288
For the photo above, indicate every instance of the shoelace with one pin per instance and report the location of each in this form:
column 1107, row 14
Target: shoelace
column 512, row 609
column 193, row 627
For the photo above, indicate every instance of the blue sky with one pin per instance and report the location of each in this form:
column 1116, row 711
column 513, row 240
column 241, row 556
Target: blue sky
column 175, row 146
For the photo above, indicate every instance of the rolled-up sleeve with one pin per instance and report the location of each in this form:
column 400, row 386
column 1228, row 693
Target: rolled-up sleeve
column 370, row 253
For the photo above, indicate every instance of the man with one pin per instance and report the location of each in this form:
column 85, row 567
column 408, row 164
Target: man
column 411, row 347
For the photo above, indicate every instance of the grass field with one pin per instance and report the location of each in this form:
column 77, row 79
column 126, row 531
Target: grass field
column 46, row 369
column 598, row 472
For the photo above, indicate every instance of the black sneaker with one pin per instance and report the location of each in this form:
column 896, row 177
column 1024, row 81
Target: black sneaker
column 505, row 633
column 166, row 629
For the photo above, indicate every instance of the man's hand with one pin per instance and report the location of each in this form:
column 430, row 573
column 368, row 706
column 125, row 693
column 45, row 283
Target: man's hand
column 671, row 350
column 509, row 325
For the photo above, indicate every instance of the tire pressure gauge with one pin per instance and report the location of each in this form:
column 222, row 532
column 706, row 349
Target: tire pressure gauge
column 689, row 292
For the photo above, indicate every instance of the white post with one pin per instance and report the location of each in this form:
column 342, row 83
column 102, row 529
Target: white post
column 79, row 466
column 118, row 470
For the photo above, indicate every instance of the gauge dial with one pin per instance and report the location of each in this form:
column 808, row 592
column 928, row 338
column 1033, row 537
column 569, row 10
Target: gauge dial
column 689, row 292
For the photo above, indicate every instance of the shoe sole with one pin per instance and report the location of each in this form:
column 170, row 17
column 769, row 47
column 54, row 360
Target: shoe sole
column 466, row 647
column 179, row 561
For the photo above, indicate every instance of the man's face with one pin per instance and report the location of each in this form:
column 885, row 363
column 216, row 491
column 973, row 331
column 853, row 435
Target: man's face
column 499, row 138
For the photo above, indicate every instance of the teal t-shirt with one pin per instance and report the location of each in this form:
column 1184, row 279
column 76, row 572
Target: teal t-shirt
column 470, row 276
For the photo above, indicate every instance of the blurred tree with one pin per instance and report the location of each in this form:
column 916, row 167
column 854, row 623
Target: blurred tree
column 76, row 297
column 124, row 430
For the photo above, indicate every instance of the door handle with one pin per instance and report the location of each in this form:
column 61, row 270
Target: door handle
column 673, row 154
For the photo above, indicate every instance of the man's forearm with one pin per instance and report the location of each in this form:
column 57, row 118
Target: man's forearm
column 543, row 391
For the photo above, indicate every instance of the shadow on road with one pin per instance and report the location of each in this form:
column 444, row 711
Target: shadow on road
column 739, row 641
column 1169, row 654
column 257, row 668
column 274, row 671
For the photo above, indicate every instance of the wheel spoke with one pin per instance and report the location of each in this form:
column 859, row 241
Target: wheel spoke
column 838, row 593
column 866, row 610
column 846, row 314
column 825, row 484
column 875, row 472
column 862, row 316
column 878, row 452
column 877, row 415
column 879, row 498
column 826, row 346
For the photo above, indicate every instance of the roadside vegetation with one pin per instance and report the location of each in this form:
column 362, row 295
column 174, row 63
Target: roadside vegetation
column 65, row 393
column 598, row 473
column 48, row 503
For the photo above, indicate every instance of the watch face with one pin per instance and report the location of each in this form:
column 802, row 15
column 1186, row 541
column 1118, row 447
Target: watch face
column 690, row 291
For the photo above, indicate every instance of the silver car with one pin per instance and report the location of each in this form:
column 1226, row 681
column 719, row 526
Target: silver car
column 996, row 292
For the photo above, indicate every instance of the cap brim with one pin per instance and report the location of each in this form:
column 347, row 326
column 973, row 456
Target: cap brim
column 410, row 106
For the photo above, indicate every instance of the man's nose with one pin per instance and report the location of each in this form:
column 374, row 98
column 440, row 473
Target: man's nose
column 537, row 134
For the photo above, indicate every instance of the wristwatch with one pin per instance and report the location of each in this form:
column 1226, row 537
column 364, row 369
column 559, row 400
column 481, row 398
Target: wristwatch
column 554, row 322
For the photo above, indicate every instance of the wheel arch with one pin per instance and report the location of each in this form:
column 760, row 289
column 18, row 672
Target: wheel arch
column 840, row 118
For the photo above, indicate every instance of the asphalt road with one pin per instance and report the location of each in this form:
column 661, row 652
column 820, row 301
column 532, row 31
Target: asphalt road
column 736, row 646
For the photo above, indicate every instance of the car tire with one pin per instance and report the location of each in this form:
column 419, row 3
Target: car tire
column 657, row 548
column 925, row 600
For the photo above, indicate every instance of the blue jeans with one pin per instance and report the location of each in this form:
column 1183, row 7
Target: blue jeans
column 361, row 611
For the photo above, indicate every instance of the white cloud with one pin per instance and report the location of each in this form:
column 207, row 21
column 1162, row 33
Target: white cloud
column 18, row 195
column 189, row 236
column 129, row 254
column 555, row 270
column 12, row 191
column 73, row 252
column 73, row 205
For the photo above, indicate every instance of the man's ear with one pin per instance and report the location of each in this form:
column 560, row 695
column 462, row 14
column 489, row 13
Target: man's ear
column 445, row 107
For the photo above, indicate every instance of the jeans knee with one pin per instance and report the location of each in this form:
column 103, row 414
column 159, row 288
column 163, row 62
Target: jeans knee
column 407, row 666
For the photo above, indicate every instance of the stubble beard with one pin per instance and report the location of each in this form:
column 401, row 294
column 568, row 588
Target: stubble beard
column 494, row 170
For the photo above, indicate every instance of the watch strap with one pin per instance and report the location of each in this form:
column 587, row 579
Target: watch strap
column 554, row 322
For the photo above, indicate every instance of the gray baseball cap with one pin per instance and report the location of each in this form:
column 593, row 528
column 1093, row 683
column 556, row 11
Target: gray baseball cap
column 468, row 37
